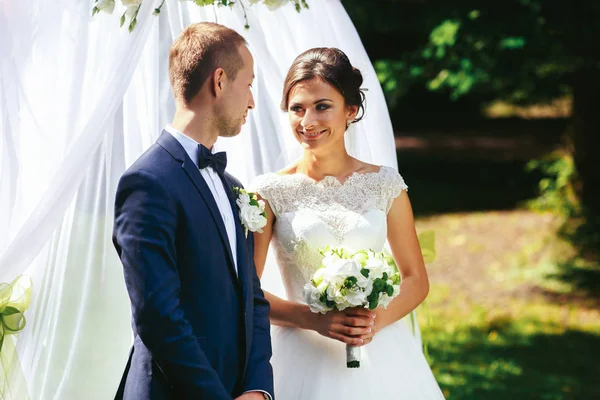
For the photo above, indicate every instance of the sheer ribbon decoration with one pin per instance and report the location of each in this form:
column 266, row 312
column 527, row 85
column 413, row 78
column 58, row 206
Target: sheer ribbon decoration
column 80, row 100
column 14, row 301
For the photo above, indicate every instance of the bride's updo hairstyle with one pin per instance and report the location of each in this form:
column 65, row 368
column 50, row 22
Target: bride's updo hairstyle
column 330, row 65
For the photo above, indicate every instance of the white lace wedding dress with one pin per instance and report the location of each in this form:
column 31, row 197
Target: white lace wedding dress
column 309, row 216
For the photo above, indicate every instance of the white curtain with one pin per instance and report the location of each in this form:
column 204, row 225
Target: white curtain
column 80, row 100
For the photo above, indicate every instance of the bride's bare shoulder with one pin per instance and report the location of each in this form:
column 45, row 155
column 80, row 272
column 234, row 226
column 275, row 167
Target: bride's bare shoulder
column 289, row 170
column 366, row 168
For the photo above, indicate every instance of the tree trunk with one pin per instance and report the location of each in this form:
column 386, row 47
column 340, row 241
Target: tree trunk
column 585, row 137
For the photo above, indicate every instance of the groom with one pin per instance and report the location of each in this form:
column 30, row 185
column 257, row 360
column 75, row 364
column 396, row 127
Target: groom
column 200, row 320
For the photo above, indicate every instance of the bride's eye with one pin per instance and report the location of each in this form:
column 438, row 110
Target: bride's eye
column 295, row 108
column 323, row 107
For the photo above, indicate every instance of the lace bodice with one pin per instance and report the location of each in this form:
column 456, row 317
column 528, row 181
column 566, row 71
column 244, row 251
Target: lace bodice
column 311, row 215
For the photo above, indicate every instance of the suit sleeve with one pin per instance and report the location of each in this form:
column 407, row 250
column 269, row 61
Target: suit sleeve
column 144, row 236
column 259, row 375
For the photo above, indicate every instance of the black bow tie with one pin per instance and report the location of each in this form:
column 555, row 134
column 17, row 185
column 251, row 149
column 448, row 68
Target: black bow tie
column 217, row 161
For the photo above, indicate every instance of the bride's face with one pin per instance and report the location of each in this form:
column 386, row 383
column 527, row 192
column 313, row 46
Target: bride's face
column 318, row 114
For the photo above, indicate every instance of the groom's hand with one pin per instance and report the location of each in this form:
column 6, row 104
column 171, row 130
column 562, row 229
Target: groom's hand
column 353, row 326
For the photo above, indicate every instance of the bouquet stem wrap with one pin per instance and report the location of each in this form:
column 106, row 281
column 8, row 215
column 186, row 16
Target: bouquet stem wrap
column 352, row 356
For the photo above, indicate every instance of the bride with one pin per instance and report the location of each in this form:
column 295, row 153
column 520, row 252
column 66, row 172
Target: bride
column 326, row 198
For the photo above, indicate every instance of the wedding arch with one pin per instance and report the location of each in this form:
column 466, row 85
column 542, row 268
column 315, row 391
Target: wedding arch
column 80, row 99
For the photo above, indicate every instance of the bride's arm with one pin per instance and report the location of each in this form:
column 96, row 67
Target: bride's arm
column 352, row 326
column 406, row 251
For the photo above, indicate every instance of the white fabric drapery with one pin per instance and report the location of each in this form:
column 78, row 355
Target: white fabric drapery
column 80, row 100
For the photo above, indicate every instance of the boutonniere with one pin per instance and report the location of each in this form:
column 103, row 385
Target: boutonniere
column 252, row 210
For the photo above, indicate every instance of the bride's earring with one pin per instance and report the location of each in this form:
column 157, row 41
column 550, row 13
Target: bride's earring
column 348, row 124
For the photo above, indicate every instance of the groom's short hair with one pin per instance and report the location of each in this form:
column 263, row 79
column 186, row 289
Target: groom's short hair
column 198, row 52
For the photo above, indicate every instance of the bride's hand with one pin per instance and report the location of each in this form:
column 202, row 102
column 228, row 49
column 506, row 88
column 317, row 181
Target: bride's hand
column 353, row 326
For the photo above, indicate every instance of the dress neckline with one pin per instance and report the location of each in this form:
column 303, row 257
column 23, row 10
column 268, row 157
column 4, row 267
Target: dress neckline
column 332, row 181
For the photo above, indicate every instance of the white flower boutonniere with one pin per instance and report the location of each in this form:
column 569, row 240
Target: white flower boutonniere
column 252, row 211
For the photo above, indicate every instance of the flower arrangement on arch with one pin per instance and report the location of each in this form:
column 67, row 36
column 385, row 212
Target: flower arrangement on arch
column 129, row 16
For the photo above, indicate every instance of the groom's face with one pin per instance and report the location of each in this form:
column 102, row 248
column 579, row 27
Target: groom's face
column 237, row 99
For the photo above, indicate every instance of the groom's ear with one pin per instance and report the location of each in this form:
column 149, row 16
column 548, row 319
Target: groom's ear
column 218, row 81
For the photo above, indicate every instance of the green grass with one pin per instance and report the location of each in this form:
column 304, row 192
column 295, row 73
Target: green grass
column 523, row 324
column 528, row 351
column 513, row 311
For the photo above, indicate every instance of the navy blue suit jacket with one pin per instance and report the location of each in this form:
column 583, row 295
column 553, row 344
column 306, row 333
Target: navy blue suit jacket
column 201, row 331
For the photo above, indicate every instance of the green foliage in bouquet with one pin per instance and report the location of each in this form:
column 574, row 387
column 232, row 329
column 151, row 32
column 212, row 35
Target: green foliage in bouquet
column 381, row 285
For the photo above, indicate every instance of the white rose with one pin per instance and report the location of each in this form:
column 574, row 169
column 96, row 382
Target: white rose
column 384, row 299
column 243, row 200
column 322, row 287
column 130, row 12
column 275, row 4
column 348, row 267
column 361, row 257
column 356, row 297
column 376, row 267
column 130, row 3
column 330, row 261
column 252, row 218
column 312, row 296
column 334, row 294
column 107, row 6
column 368, row 287
column 337, row 273
column 336, row 270
column 318, row 276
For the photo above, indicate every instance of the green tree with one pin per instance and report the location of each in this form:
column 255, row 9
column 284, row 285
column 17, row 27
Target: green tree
column 523, row 51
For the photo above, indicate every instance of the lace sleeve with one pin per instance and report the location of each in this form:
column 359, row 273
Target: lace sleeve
column 393, row 185
column 266, row 187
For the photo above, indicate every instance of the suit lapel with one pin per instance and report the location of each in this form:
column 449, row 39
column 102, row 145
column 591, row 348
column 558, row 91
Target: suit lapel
column 242, row 251
column 171, row 144
column 243, row 269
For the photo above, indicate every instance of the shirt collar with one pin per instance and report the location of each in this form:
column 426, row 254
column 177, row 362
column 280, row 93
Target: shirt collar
column 189, row 145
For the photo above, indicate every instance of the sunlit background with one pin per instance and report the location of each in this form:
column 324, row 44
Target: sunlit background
column 495, row 108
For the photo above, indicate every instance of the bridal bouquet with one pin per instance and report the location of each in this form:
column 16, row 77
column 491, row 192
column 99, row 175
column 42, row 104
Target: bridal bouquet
column 352, row 279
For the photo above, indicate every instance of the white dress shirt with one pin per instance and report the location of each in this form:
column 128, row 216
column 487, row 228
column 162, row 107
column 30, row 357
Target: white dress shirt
column 214, row 184
column 218, row 191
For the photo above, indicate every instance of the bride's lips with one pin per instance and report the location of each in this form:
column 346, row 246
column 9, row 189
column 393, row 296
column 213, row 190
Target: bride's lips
column 312, row 135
